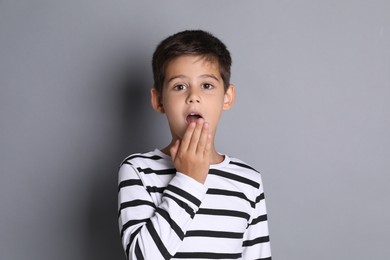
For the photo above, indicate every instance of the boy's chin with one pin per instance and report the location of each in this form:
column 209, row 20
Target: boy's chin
column 177, row 135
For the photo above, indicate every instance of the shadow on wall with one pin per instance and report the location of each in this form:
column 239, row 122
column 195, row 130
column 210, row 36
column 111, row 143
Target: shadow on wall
column 130, row 97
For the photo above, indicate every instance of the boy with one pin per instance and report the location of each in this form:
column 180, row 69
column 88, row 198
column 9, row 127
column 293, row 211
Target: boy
column 187, row 201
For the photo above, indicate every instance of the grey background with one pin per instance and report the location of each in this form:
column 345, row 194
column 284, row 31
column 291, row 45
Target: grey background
column 312, row 114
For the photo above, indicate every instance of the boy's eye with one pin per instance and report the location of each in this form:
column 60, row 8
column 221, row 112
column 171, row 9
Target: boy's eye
column 180, row 87
column 207, row 86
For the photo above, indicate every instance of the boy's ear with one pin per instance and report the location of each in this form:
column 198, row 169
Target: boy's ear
column 155, row 100
column 229, row 97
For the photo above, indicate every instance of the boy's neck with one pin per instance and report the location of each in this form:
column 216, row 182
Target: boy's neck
column 215, row 157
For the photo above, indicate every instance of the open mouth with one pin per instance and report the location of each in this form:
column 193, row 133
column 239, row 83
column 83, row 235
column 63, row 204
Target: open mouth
column 193, row 117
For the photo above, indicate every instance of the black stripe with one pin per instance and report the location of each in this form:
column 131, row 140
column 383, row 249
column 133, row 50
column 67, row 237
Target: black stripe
column 158, row 172
column 207, row 255
column 171, row 222
column 138, row 252
column 132, row 223
column 154, row 157
column 259, row 219
column 230, row 193
column 155, row 189
column 234, row 177
column 258, row 240
column 223, row 212
column 265, row 258
column 209, row 233
column 243, row 165
column 184, row 194
column 135, row 203
column 157, row 240
column 132, row 182
column 126, row 162
column 133, row 235
column 260, row 197
column 182, row 204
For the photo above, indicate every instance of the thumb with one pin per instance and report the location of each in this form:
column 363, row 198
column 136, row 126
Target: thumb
column 174, row 148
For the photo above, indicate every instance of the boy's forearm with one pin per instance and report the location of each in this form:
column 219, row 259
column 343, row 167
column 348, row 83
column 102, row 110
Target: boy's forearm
column 156, row 231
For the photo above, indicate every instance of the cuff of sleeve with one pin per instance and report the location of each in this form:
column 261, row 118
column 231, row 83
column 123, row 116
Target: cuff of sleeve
column 191, row 186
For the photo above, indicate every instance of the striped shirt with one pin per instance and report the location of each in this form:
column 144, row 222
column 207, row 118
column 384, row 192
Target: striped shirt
column 164, row 214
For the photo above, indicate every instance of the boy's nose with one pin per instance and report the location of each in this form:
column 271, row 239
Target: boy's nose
column 193, row 97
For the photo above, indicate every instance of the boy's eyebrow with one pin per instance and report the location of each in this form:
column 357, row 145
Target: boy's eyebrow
column 209, row 76
column 201, row 76
column 177, row 77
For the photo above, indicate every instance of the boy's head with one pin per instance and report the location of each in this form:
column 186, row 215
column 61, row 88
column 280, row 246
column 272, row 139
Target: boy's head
column 192, row 74
column 190, row 42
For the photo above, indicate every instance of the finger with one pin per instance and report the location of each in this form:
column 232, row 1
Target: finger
column 174, row 148
column 207, row 150
column 209, row 143
column 203, row 138
column 187, row 136
column 196, row 135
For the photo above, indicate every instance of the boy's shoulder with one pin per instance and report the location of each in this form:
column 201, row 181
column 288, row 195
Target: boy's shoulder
column 241, row 171
column 146, row 158
column 242, row 165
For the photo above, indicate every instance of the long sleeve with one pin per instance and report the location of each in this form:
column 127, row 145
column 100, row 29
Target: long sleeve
column 154, row 228
column 256, row 244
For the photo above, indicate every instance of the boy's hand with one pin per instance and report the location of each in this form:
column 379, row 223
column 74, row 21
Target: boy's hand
column 191, row 155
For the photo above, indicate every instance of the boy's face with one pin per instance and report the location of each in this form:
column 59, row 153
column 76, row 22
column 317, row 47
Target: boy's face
column 193, row 88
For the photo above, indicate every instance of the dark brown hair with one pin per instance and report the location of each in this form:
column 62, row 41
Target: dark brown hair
column 190, row 42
